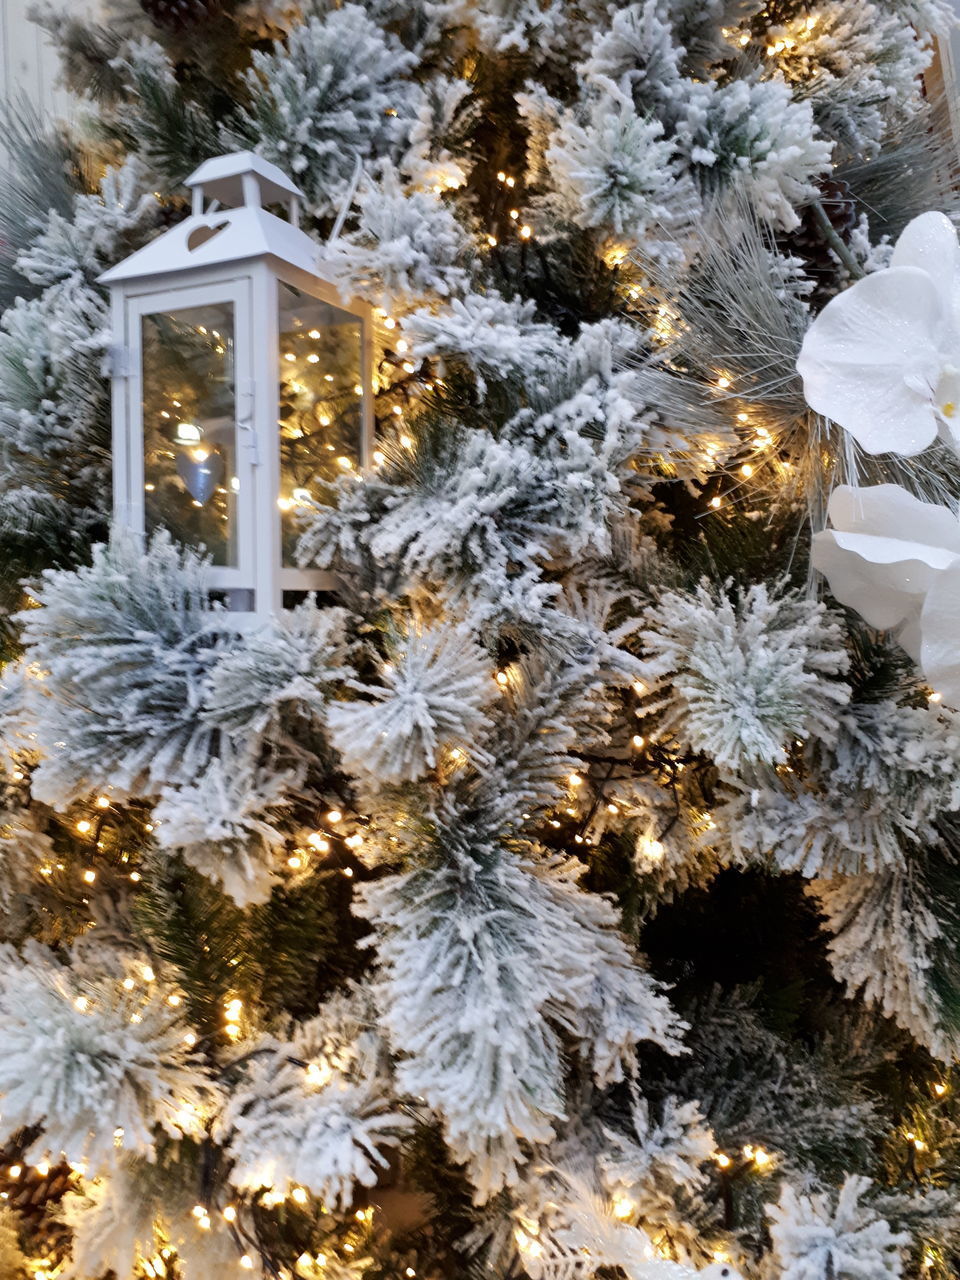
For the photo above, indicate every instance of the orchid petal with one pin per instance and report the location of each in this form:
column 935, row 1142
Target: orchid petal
column 940, row 630
column 930, row 243
column 860, row 351
column 857, row 580
column 869, row 562
column 890, row 511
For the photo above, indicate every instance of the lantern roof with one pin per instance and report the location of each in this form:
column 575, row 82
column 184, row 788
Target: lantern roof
column 233, row 227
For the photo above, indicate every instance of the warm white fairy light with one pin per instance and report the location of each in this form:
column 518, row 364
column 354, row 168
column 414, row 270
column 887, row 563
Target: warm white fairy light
column 623, row 1206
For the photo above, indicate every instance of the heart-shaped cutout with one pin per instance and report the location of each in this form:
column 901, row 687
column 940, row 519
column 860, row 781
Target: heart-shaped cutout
column 200, row 475
column 200, row 235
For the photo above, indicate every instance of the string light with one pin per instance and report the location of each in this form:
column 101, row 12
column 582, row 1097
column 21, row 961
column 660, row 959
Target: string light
column 334, row 816
column 623, row 1206
column 637, row 741
column 652, row 850
column 723, row 1160
column 939, row 1088
column 102, row 802
column 84, row 827
column 716, row 503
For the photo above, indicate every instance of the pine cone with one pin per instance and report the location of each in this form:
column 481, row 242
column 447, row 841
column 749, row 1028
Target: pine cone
column 807, row 241
column 179, row 15
column 26, row 1187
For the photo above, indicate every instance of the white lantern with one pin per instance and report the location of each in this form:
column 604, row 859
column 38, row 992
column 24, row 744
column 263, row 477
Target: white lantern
column 242, row 383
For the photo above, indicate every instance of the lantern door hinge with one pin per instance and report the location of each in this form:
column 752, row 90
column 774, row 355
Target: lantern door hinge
column 119, row 361
column 246, row 403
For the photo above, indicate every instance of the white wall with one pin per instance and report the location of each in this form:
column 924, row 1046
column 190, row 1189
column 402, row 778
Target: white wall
column 28, row 66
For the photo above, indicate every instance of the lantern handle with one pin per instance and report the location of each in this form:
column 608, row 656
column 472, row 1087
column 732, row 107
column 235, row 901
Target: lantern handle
column 347, row 200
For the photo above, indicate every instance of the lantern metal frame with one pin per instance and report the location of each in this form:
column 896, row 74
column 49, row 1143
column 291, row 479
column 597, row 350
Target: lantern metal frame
column 240, row 256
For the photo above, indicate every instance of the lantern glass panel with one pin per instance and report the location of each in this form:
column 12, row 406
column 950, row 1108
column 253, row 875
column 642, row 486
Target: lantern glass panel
column 321, row 403
column 190, row 427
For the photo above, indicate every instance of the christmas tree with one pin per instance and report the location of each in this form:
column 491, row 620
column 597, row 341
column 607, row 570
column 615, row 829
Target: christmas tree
column 570, row 888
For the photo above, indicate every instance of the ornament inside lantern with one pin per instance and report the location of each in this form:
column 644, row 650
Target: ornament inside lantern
column 242, row 383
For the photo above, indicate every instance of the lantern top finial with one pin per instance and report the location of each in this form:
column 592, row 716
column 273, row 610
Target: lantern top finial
column 241, row 177
column 228, row 223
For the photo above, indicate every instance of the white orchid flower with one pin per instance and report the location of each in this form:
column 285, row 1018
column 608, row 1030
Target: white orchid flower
column 884, row 553
column 882, row 359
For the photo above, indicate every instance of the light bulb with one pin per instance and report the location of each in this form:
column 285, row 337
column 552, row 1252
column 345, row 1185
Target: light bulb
column 623, row 1206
